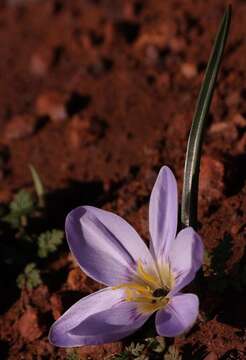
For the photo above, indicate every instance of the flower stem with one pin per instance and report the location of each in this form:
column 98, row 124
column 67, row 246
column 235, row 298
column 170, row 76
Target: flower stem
column 193, row 153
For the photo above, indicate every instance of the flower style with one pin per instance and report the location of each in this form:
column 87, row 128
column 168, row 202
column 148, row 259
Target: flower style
column 140, row 281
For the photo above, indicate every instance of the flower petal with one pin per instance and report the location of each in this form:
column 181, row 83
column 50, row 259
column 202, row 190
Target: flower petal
column 163, row 213
column 186, row 257
column 98, row 318
column 106, row 247
column 179, row 315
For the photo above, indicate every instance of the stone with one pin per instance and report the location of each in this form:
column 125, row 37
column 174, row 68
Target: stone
column 78, row 131
column 38, row 65
column 189, row 70
column 219, row 127
column 154, row 36
column 19, row 127
column 52, row 104
column 28, row 325
column 227, row 130
column 239, row 120
column 241, row 145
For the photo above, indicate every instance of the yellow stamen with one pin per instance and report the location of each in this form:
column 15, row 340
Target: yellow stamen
column 135, row 286
column 152, row 307
column 145, row 285
column 148, row 278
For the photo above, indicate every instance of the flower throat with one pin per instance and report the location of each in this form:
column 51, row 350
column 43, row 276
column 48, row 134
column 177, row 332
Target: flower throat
column 148, row 288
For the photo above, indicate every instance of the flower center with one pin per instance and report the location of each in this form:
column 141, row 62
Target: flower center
column 149, row 288
column 160, row 292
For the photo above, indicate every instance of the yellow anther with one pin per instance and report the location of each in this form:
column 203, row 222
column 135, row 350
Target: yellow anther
column 152, row 307
column 148, row 278
column 147, row 289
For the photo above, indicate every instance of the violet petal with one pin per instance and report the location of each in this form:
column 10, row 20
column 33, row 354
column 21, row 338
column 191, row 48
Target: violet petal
column 98, row 318
column 186, row 257
column 163, row 213
column 106, row 247
column 179, row 315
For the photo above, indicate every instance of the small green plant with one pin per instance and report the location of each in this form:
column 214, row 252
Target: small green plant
column 24, row 203
column 172, row 354
column 49, row 241
column 135, row 349
column 156, row 344
column 30, row 278
column 72, row 355
column 19, row 209
column 122, row 356
column 145, row 350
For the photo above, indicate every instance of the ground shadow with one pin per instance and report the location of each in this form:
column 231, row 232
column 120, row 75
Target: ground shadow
column 60, row 202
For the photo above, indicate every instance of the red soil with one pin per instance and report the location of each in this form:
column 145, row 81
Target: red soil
column 98, row 95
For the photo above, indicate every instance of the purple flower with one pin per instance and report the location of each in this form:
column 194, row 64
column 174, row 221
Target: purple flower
column 140, row 281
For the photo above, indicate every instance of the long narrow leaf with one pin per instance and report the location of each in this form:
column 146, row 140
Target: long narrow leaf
column 39, row 188
column 193, row 154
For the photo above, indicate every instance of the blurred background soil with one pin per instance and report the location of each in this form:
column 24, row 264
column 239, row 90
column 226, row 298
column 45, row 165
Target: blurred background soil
column 98, row 95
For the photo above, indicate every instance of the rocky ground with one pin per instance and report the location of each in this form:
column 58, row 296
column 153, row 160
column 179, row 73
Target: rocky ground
column 98, row 95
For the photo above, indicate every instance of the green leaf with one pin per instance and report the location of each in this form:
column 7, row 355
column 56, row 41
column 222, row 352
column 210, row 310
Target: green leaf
column 22, row 204
column 193, row 154
column 72, row 355
column 172, row 354
column 122, row 356
column 21, row 207
column 30, row 277
column 48, row 242
column 39, row 188
column 156, row 344
column 135, row 349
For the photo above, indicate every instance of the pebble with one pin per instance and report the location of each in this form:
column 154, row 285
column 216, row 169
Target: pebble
column 19, row 127
column 219, row 127
column 151, row 54
column 78, row 131
column 239, row 120
column 28, row 325
column 241, row 145
column 38, row 65
column 158, row 37
column 52, row 104
column 189, row 70
column 227, row 130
